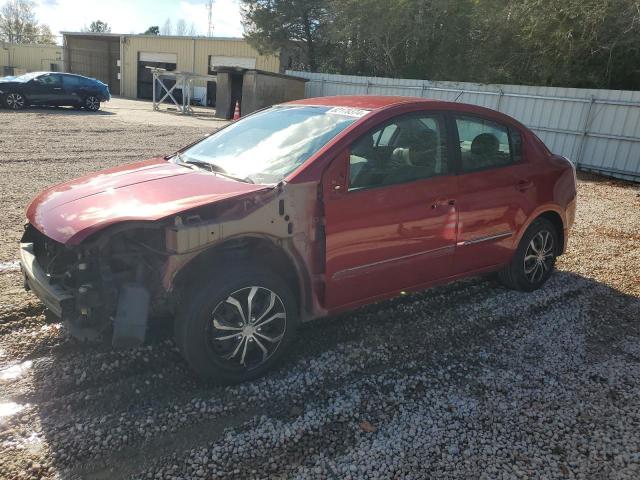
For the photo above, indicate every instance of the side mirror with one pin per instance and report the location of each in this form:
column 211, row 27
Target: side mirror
column 336, row 176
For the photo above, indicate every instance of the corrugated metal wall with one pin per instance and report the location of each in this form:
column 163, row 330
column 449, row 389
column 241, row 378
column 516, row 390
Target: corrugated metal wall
column 599, row 130
column 31, row 58
column 192, row 54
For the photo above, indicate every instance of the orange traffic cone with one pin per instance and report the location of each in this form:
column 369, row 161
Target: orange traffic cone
column 236, row 113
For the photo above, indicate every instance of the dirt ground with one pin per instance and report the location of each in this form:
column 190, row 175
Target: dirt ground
column 467, row 380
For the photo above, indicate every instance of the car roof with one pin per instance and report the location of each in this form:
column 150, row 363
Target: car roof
column 380, row 102
column 64, row 74
column 365, row 102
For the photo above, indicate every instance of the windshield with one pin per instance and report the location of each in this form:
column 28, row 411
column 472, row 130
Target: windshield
column 26, row 77
column 267, row 146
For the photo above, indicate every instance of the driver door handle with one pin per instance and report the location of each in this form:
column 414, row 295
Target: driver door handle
column 443, row 202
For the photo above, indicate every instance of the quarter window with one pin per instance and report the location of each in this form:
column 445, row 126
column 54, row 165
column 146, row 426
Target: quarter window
column 407, row 148
column 73, row 81
column 483, row 144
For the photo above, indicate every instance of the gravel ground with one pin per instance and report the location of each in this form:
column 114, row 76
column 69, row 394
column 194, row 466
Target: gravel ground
column 468, row 380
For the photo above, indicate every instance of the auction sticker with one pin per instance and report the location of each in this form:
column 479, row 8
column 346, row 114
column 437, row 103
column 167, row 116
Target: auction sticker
column 349, row 112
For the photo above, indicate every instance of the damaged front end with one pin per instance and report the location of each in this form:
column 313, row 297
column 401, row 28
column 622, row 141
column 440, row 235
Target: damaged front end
column 112, row 282
column 100, row 286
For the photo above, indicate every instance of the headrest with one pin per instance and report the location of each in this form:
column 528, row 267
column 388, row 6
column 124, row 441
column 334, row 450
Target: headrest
column 485, row 144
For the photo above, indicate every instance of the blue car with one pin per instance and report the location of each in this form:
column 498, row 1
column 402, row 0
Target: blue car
column 53, row 88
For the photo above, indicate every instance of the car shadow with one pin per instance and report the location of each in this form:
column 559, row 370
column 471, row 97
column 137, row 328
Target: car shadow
column 53, row 110
column 103, row 409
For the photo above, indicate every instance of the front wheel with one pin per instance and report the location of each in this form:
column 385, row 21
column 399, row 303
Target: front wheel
column 535, row 258
column 236, row 326
column 15, row 101
column 92, row 103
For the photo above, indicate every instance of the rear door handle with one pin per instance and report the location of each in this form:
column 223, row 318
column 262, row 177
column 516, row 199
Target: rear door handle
column 524, row 185
column 443, row 202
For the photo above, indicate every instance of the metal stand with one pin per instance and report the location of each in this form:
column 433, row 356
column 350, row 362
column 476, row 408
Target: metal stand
column 183, row 80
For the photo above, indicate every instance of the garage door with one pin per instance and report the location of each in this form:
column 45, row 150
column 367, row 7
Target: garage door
column 224, row 61
column 94, row 57
column 167, row 61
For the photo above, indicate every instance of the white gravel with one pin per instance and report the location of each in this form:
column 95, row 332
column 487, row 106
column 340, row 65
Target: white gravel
column 467, row 380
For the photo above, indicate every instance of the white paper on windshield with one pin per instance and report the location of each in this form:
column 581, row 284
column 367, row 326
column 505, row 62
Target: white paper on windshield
column 349, row 112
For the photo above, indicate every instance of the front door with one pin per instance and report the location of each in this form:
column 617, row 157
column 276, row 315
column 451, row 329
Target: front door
column 391, row 223
column 45, row 89
column 496, row 196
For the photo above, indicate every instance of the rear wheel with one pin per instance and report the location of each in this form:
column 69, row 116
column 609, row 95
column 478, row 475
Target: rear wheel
column 15, row 101
column 236, row 326
column 535, row 258
column 92, row 103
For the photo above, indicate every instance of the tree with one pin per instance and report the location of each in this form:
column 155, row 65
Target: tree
column 181, row 27
column 45, row 35
column 582, row 43
column 299, row 25
column 167, row 28
column 18, row 24
column 98, row 26
column 574, row 43
column 153, row 30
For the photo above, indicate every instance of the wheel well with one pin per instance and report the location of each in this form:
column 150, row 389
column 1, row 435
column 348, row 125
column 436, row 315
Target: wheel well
column 255, row 250
column 556, row 221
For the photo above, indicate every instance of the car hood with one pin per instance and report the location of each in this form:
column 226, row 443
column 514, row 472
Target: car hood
column 145, row 191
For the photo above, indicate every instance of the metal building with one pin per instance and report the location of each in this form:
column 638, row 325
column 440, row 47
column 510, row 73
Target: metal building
column 16, row 59
column 121, row 60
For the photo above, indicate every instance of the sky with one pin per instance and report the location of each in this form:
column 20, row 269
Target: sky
column 135, row 16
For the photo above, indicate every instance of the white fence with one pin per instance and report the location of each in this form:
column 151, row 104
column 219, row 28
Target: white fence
column 599, row 130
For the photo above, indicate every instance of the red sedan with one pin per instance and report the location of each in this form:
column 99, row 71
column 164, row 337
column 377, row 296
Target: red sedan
column 298, row 211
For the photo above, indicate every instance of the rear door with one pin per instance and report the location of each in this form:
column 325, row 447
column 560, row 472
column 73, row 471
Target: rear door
column 75, row 89
column 496, row 192
column 389, row 211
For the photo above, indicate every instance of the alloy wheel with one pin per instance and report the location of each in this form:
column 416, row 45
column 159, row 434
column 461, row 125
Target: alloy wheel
column 246, row 329
column 15, row 101
column 539, row 256
column 92, row 103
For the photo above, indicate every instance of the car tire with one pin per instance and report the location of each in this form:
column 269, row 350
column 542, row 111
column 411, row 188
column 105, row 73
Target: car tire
column 535, row 258
column 221, row 339
column 15, row 101
column 92, row 103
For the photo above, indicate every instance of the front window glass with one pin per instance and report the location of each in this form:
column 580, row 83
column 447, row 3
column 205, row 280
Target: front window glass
column 53, row 80
column 408, row 148
column 26, row 77
column 267, row 146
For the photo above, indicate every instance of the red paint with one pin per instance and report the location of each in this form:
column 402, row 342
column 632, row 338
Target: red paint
column 388, row 238
column 145, row 191
column 378, row 242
